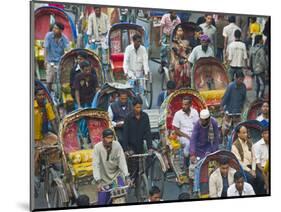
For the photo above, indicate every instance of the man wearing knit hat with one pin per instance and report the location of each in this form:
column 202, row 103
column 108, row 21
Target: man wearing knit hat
column 203, row 50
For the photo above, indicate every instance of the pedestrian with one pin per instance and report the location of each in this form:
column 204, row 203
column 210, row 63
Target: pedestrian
column 210, row 30
column 220, row 24
column 236, row 55
column 259, row 65
column 228, row 33
column 154, row 194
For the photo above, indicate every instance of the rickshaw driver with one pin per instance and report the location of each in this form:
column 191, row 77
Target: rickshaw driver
column 43, row 115
column 135, row 64
column 109, row 166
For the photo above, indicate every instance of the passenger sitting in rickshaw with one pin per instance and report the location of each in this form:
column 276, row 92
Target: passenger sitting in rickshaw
column 85, row 85
column 243, row 149
column 109, row 167
column 171, row 86
column 221, row 179
column 43, row 117
column 118, row 111
column 204, row 140
column 81, row 57
column 264, row 116
column 179, row 56
column 135, row 64
column 240, row 187
column 183, row 122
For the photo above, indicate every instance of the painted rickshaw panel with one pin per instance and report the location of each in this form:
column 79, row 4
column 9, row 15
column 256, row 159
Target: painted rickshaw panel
column 210, row 79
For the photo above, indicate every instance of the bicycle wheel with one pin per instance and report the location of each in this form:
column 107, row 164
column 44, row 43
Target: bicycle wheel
column 147, row 94
column 57, row 201
column 142, row 190
column 157, row 176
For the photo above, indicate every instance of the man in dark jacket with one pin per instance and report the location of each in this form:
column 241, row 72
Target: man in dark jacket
column 118, row 111
column 137, row 130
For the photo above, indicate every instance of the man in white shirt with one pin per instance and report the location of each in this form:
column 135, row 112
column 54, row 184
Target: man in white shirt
column 210, row 30
column 228, row 32
column 264, row 116
column 261, row 149
column 136, row 59
column 240, row 188
column 203, row 50
column 237, row 55
column 184, row 121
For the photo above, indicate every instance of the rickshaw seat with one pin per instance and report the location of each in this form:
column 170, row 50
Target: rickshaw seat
column 117, row 62
column 212, row 97
column 81, row 162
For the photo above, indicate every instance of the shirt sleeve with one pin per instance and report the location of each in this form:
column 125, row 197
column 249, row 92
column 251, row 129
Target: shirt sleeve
column 226, row 97
column 224, row 32
column 96, row 164
column 125, row 134
column 217, row 136
column 65, row 43
column 163, row 20
column 145, row 61
column 212, row 186
column 234, row 150
column 148, row 135
column 192, row 56
column 50, row 112
column 245, row 56
column 176, row 121
column 111, row 115
column 257, row 153
column 126, row 60
column 122, row 162
column 194, row 137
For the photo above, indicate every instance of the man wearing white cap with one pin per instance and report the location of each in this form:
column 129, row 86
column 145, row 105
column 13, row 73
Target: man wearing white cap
column 204, row 140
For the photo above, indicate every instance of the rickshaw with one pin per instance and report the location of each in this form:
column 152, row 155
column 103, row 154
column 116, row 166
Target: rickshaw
column 77, row 157
column 44, row 18
column 108, row 94
column 210, row 79
column 207, row 166
column 253, row 111
column 119, row 37
column 254, row 128
column 67, row 63
column 169, row 67
column 169, row 107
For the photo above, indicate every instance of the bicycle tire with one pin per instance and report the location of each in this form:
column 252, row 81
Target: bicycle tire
column 157, row 176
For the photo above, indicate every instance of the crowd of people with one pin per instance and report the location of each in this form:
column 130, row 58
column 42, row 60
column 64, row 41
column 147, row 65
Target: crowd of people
column 198, row 132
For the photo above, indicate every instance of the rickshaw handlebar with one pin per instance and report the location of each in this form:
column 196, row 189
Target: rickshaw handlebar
column 139, row 155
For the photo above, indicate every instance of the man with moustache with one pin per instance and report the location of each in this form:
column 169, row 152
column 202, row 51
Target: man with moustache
column 109, row 166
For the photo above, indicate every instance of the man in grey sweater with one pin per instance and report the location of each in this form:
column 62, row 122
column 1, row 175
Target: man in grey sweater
column 109, row 166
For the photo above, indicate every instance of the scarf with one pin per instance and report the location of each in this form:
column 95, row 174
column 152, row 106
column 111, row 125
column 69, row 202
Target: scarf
column 211, row 134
